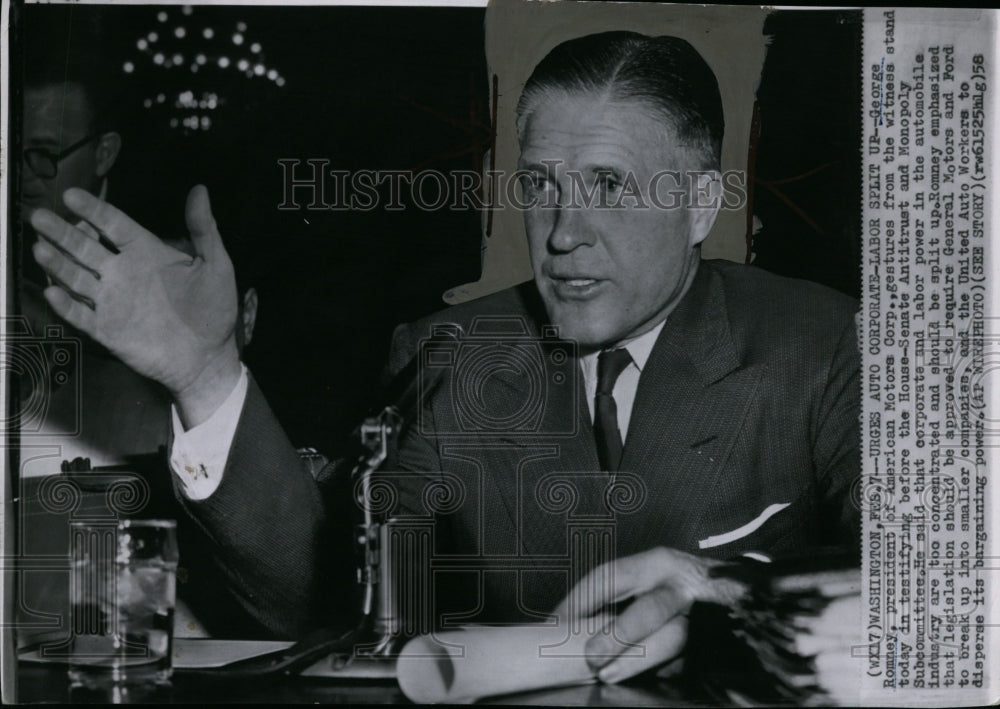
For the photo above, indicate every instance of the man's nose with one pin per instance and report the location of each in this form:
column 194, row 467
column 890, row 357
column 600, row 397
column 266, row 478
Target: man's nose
column 571, row 228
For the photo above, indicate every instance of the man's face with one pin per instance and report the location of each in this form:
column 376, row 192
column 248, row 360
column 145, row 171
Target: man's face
column 56, row 117
column 607, row 274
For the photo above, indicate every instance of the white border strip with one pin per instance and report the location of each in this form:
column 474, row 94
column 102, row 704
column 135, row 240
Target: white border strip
column 362, row 3
column 275, row 3
column 8, row 650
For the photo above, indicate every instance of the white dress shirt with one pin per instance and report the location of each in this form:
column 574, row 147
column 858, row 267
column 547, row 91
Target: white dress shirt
column 628, row 381
column 198, row 457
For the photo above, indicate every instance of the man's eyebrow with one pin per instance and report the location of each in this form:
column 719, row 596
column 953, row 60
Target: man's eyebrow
column 537, row 166
column 612, row 170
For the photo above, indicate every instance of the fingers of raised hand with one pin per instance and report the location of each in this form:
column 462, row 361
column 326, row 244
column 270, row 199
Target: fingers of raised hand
column 72, row 311
column 73, row 241
column 71, row 275
column 89, row 230
column 117, row 226
column 202, row 226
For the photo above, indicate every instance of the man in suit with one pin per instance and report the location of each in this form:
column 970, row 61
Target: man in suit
column 608, row 432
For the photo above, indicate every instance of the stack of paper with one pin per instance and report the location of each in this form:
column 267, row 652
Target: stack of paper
column 791, row 640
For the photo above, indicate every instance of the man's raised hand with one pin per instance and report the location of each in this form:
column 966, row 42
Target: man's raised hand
column 168, row 316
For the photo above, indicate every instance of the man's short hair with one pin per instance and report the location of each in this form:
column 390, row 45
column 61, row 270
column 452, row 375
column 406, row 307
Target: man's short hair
column 666, row 73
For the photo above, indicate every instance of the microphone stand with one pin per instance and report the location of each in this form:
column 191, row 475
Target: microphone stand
column 377, row 434
column 374, row 637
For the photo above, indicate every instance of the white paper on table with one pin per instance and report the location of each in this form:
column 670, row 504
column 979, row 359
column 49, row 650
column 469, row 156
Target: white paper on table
column 198, row 653
column 189, row 653
column 476, row 662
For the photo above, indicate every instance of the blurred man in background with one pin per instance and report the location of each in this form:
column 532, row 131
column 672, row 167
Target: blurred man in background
column 74, row 101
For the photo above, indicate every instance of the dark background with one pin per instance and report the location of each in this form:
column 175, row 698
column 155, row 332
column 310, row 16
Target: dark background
column 395, row 88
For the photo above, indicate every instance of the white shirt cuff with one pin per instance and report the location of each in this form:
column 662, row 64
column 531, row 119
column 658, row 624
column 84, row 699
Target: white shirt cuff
column 198, row 457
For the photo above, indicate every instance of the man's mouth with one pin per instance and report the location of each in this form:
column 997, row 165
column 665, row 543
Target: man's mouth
column 575, row 287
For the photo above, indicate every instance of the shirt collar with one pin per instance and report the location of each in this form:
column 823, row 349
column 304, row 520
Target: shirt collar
column 638, row 347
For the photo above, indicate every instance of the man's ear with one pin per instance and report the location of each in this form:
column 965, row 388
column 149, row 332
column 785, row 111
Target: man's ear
column 108, row 147
column 249, row 318
column 705, row 203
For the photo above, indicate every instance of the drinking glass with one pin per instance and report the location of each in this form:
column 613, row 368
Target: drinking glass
column 122, row 593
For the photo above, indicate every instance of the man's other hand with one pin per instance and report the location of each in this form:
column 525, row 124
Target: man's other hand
column 661, row 585
column 168, row 316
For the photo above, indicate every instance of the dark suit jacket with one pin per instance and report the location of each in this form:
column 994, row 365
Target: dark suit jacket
column 744, row 436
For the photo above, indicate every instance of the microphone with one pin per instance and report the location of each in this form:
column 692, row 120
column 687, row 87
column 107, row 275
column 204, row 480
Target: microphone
column 403, row 395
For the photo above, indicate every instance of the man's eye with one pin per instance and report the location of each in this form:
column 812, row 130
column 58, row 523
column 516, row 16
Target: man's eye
column 534, row 183
column 608, row 182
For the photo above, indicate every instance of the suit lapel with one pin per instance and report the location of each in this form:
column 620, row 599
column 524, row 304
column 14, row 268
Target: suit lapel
column 517, row 464
column 544, row 465
column 690, row 404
